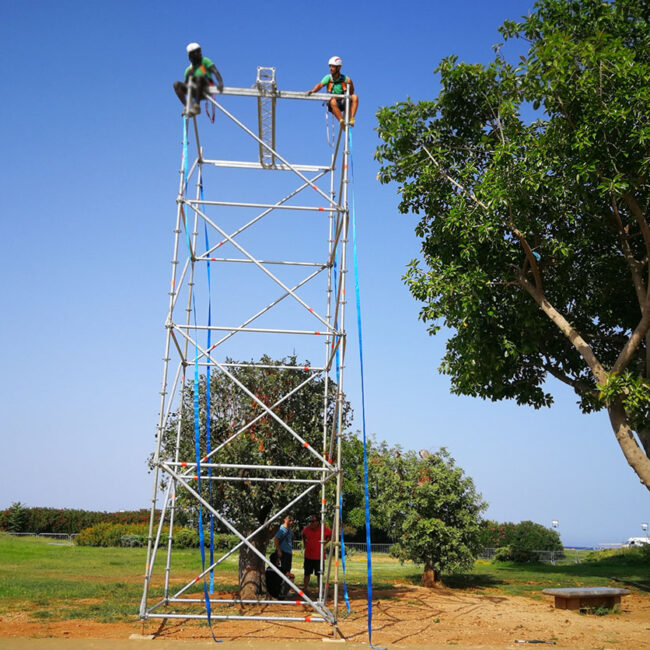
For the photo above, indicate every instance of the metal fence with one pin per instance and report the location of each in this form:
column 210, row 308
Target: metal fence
column 353, row 546
column 549, row 557
column 66, row 536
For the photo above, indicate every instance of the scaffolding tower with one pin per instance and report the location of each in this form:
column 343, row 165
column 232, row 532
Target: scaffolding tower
column 272, row 271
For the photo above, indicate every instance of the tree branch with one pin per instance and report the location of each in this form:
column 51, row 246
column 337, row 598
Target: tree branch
column 568, row 330
column 635, row 208
column 520, row 236
column 632, row 264
column 579, row 386
column 635, row 457
column 635, row 339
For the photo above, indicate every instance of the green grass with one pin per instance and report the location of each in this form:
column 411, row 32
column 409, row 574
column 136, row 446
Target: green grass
column 55, row 581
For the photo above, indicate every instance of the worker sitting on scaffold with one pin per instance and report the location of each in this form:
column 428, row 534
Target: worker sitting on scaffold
column 338, row 84
column 199, row 74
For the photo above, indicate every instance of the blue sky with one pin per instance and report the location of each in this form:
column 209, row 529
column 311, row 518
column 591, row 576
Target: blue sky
column 91, row 135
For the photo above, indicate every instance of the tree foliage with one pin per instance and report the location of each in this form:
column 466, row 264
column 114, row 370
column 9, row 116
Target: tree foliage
column 247, row 504
column 423, row 502
column 534, row 230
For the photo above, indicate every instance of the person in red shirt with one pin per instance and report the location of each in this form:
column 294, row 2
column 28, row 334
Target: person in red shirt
column 311, row 538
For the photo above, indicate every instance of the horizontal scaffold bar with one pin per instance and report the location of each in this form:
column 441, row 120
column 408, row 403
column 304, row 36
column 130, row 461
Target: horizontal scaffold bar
column 279, row 94
column 237, row 601
column 263, row 330
column 245, row 164
column 271, row 206
column 320, row 265
column 204, row 617
column 293, row 468
column 253, row 479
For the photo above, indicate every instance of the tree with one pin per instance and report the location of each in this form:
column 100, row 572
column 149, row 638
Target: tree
column 424, row 502
column 246, row 504
column 519, row 542
column 17, row 518
column 535, row 234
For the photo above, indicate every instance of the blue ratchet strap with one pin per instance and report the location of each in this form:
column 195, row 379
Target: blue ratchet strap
column 197, row 446
column 345, row 584
column 207, row 395
column 184, row 166
column 363, row 402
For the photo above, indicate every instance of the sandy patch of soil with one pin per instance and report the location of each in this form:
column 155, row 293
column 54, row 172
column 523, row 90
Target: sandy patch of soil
column 407, row 615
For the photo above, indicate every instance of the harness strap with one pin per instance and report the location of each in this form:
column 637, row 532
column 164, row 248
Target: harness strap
column 330, row 85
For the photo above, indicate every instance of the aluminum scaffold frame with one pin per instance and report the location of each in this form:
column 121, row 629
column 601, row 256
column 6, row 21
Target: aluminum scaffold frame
column 183, row 350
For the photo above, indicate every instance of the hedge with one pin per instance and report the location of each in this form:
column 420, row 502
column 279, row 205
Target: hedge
column 129, row 535
column 63, row 520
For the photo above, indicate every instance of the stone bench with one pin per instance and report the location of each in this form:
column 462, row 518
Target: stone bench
column 586, row 597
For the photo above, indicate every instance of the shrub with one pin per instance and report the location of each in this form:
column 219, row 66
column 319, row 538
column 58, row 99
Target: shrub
column 106, row 534
column 495, row 535
column 222, row 541
column 503, row 554
column 185, row 538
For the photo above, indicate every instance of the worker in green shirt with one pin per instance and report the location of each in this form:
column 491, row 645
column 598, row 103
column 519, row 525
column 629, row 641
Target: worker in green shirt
column 201, row 70
column 338, row 84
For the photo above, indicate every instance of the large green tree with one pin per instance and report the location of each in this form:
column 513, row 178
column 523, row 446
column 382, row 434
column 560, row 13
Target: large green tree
column 531, row 182
column 423, row 501
column 244, row 503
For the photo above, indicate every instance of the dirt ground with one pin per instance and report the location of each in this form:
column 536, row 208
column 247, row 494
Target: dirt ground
column 407, row 616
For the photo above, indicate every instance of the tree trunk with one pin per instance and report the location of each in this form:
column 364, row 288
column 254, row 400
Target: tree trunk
column 430, row 577
column 634, row 455
column 251, row 569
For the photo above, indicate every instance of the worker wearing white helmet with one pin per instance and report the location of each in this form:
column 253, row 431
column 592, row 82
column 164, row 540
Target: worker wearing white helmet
column 338, row 84
column 201, row 70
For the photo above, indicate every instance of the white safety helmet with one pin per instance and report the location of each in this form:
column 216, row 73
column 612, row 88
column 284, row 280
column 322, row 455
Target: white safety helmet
column 335, row 60
column 192, row 46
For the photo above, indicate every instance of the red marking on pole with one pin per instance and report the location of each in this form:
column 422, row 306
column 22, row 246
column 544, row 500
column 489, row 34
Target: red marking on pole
column 183, row 464
column 301, row 593
column 315, row 187
column 321, row 209
column 324, row 501
column 311, row 310
column 306, row 444
column 195, row 477
column 196, row 579
column 317, row 333
column 307, row 619
column 306, row 368
column 336, row 562
column 204, row 458
column 298, row 602
column 213, row 259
